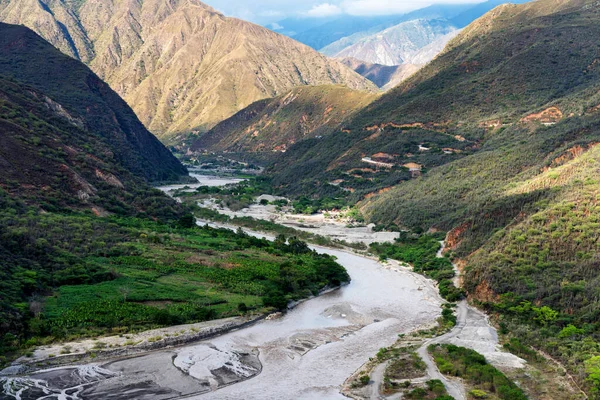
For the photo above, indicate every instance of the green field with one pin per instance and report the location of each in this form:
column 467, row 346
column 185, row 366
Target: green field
column 66, row 276
column 482, row 380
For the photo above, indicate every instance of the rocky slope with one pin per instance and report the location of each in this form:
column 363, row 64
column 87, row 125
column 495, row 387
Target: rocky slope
column 385, row 77
column 179, row 64
column 397, row 45
column 273, row 125
column 67, row 139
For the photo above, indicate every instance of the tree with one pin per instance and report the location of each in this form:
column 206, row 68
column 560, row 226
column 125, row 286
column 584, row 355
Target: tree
column 188, row 221
column 545, row 315
column 570, row 331
column 124, row 290
column 592, row 367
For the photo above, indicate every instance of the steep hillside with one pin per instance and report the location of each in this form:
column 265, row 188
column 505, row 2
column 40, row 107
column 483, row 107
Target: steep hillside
column 521, row 85
column 87, row 246
column 396, row 45
column 384, row 76
column 179, row 64
column 522, row 210
column 77, row 107
column 462, row 96
column 273, row 125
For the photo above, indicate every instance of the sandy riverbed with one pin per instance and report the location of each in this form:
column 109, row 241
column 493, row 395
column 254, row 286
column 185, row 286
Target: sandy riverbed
column 325, row 224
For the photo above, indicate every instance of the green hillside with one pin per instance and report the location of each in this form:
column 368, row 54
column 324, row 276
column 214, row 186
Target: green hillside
column 76, row 94
column 521, row 86
column 499, row 70
column 87, row 246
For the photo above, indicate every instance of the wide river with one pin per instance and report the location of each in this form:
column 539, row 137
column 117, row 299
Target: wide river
column 306, row 354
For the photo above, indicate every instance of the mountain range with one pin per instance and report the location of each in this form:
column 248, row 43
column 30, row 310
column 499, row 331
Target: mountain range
column 400, row 44
column 494, row 142
column 385, row 77
column 180, row 65
column 339, row 36
column 503, row 128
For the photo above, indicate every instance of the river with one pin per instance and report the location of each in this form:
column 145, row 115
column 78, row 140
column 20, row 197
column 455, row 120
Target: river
column 203, row 180
column 306, row 354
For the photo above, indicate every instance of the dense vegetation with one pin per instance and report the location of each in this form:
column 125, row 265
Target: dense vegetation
column 421, row 252
column 515, row 61
column 71, row 92
column 70, row 275
column 520, row 201
column 483, row 380
column 87, row 247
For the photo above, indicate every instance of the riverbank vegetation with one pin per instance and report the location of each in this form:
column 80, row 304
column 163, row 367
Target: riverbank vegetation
column 260, row 225
column 421, row 251
column 243, row 194
column 73, row 275
column 483, row 380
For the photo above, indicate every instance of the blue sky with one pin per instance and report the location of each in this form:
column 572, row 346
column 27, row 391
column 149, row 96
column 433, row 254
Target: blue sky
column 268, row 11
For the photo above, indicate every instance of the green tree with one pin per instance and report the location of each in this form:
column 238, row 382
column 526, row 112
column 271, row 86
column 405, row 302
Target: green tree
column 592, row 368
column 545, row 315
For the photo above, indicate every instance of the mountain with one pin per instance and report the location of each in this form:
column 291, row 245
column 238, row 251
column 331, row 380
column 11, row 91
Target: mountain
column 505, row 124
column 384, row 76
column 396, row 45
column 273, row 125
column 86, row 244
column 67, row 139
column 179, row 64
column 464, row 90
column 471, row 14
column 357, row 27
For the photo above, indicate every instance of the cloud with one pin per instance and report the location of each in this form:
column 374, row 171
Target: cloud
column 324, row 10
column 268, row 11
column 275, row 26
column 382, row 7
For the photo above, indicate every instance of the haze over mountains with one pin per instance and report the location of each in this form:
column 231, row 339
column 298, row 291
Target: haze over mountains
column 180, row 65
column 411, row 39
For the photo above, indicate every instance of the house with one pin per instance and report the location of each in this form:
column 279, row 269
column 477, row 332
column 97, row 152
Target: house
column 414, row 169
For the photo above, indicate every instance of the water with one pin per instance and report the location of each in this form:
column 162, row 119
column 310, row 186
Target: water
column 307, row 354
column 310, row 352
column 203, row 180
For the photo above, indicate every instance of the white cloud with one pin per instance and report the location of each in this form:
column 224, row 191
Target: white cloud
column 324, row 10
column 269, row 11
column 382, row 7
column 275, row 26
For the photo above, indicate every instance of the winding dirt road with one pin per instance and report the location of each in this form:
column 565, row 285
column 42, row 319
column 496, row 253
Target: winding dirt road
column 472, row 331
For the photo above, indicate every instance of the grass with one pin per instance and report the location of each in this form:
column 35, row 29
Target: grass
column 74, row 275
column 481, row 378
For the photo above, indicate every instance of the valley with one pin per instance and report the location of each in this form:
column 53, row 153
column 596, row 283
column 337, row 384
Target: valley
column 322, row 203
column 297, row 348
column 342, row 327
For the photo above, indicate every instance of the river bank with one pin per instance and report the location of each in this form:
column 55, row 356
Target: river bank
column 291, row 356
column 307, row 353
column 125, row 345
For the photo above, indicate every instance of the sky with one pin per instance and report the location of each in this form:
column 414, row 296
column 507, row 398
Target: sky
column 270, row 11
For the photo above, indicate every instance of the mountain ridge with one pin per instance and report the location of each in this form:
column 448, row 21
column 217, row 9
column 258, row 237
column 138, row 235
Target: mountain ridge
column 273, row 125
column 67, row 136
column 180, row 65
